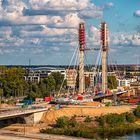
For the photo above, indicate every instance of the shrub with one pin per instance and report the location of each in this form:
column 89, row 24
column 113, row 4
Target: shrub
column 115, row 119
column 2, row 101
column 137, row 112
column 101, row 120
column 72, row 121
column 130, row 117
column 62, row 122
column 88, row 119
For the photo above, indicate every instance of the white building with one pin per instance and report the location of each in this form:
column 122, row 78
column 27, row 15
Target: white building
column 124, row 82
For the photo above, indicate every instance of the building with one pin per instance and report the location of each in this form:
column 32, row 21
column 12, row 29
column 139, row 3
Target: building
column 71, row 75
column 36, row 74
column 90, row 77
column 33, row 78
column 123, row 82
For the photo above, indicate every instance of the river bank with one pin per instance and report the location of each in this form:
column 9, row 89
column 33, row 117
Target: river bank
column 102, row 127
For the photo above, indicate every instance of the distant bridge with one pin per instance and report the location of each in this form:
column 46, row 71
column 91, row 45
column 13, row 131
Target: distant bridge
column 109, row 95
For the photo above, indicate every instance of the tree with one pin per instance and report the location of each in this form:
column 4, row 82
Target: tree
column 50, row 83
column 62, row 122
column 43, row 89
column 12, row 81
column 59, row 80
column 137, row 112
column 1, row 94
column 112, row 82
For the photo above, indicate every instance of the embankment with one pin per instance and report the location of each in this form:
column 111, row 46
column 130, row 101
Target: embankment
column 52, row 115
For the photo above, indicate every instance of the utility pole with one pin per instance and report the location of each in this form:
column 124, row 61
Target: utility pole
column 104, row 42
column 81, row 57
column 29, row 77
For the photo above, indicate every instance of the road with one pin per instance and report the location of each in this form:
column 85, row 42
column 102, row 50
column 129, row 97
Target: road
column 10, row 135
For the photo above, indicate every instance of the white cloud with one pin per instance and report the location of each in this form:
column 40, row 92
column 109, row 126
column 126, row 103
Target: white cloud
column 136, row 40
column 84, row 7
column 5, row 32
column 56, row 49
column 12, row 12
column 94, row 36
column 137, row 13
column 59, row 4
column 71, row 20
column 46, row 32
column 109, row 4
column 126, row 39
column 117, row 39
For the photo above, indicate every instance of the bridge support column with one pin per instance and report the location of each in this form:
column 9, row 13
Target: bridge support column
column 33, row 118
column 29, row 119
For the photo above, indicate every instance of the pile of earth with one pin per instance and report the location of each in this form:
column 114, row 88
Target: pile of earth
column 52, row 115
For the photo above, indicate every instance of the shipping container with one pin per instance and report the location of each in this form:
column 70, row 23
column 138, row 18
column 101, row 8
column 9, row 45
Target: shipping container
column 48, row 99
column 134, row 101
column 27, row 102
column 80, row 97
column 100, row 93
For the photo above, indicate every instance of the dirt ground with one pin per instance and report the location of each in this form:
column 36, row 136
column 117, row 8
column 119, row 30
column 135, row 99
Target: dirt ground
column 52, row 115
column 97, row 104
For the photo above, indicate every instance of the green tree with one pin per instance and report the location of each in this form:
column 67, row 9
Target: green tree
column 1, row 94
column 59, row 80
column 112, row 82
column 50, row 83
column 12, row 82
column 130, row 117
column 43, row 89
column 137, row 112
column 62, row 122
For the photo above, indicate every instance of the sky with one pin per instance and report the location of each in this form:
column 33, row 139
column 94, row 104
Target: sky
column 46, row 31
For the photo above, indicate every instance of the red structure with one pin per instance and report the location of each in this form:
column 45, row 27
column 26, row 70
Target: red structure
column 82, row 36
column 104, row 43
column 80, row 98
column 48, row 99
column 134, row 101
column 104, row 36
column 81, row 57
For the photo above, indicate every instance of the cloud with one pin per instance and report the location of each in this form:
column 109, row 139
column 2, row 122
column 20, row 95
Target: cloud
column 59, row 4
column 137, row 13
column 115, row 39
column 85, row 8
column 71, row 20
column 48, row 32
column 109, row 5
column 46, row 26
column 125, row 39
column 94, row 36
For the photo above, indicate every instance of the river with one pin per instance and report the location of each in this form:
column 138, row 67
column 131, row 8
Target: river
column 132, row 136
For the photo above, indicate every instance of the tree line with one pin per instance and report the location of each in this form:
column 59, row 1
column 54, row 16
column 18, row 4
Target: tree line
column 13, row 83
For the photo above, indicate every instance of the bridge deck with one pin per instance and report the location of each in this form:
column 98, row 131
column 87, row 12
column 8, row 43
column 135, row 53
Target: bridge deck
column 19, row 112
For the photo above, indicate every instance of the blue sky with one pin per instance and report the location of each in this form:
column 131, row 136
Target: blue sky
column 45, row 31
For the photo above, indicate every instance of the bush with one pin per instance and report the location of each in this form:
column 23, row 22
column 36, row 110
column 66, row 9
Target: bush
column 11, row 102
column 62, row 122
column 130, row 117
column 88, row 119
column 72, row 121
column 115, row 119
column 2, row 101
column 137, row 112
column 111, row 119
column 101, row 120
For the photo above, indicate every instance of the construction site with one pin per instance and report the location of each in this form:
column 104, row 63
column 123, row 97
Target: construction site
column 94, row 101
